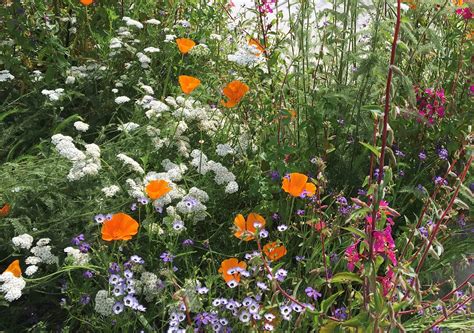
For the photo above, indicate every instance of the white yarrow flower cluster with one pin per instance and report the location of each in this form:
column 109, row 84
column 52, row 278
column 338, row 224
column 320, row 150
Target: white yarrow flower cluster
column 221, row 174
column 132, row 23
column 11, row 286
column 246, row 55
column 131, row 163
column 78, row 258
column 111, row 191
column 23, row 241
column 153, row 22
column 5, row 75
column 42, row 253
column 53, row 95
column 153, row 107
column 128, row 127
column 224, row 150
column 192, row 204
column 81, row 126
column 122, row 99
column 144, row 60
column 103, row 303
column 83, row 163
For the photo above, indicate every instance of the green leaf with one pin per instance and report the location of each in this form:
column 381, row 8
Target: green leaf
column 346, row 277
column 355, row 231
column 373, row 149
column 326, row 304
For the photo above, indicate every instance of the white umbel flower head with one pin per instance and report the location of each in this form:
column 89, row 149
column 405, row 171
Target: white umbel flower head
column 81, row 126
column 11, row 286
column 111, row 191
column 122, row 99
column 23, row 241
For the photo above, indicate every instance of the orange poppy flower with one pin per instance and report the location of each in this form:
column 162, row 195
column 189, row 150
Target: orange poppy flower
column 185, row 44
column 247, row 229
column 120, row 227
column 188, row 83
column 14, row 268
column 296, row 185
column 234, row 91
column 273, row 251
column 257, row 44
column 230, row 270
column 157, row 188
column 411, row 3
column 86, row 2
column 5, row 210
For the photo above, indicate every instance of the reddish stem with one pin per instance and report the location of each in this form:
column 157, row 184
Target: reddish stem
column 443, row 318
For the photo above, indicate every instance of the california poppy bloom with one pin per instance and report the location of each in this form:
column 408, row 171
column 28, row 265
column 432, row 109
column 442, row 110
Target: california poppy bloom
column 188, row 83
column 185, row 44
column 14, row 268
column 231, row 269
column 5, row 210
column 247, row 229
column 86, row 2
column 120, row 227
column 273, row 251
column 234, row 91
column 157, row 188
column 257, row 45
column 296, row 184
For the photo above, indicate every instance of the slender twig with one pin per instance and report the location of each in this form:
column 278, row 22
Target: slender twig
column 443, row 318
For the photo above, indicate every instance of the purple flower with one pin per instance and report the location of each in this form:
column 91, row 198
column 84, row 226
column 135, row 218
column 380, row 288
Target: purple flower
column 133, row 207
column 114, row 279
column 204, row 318
column 85, row 299
column 263, row 233
column 276, row 217
column 159, row 210
column 312, row 293
column 84, row 247
column 341, row 201
column 333, row 257
column 440, row 181
column 130, row 301
column 137, row 259
column 361, row 192
column 167, row 257
column 275, row 175
column 443, row 153
column 143, row 201
column 299, row 258
column 178, row 225
column 281, row 274
column 118, row 307
column 422, row 155
column 188, row 242
column 340, row 313
column 114, row 268
column 436, row 329
column 283, row 227
column 77, row 240
column 88, row 274
column 423, row 231
column 108, row 217
column 300, row 212
column 99, row 218
column 190, row 202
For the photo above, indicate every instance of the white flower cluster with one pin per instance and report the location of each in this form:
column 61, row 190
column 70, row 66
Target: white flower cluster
column 170, row 38
column 153, row 107
column 81, row 126
column 222, row 174
column 135, row 189
column 5, row 76
column 78, row 258
column 246, row 55
column 122, row 99
column 111, row 191
column 200, row 50
column 131, row 162
column 11, row 286
column 192, row 204
column 23, row 241
column 132, row 23
column 36, row 76
column 53, row 95
column 92, row 71
column 150, row 286
column 215, row 37
column 224, row 150
column 42, row 253
column 153, row 22
column 103, row 303
column 83, row 163
column 144, row 60
column 128, row 127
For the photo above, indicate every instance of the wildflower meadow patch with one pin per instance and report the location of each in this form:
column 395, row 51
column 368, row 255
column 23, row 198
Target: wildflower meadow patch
column 236, row 166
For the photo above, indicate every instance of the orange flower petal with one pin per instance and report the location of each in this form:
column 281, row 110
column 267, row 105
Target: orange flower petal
column 257, row 44
column 5, row 210
column 157, row 188
column 185, row 44
column 14, row 268
column 188, row 83
column 310, row 189
column 120, row 227
column 234, row 91
column 254, row 219
column 274, row 252
column 86, row 2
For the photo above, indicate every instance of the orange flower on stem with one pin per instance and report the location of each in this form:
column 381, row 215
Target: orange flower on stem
column 234, row 91
column 273, row 251
column 188, row 83
column 296, row 184
column 120, row 227
column 86, row 2
column 157, row 188
column 257, row 45
column 14, row 268
column 231, row 269
column 5, row 210
column 185, row 45
column 247, row 229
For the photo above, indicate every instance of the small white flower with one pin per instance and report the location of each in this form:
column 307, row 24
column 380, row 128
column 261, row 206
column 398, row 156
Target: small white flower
column 30, row 270
column 151, row 49
column 132, row 23
column 153, row 21
column 5, row 76
column 122, row 99
column 23, row 241
column 81, row 126
column 128, row 127
column 111, row 191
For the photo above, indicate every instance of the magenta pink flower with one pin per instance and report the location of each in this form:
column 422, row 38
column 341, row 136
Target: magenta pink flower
column 384, row 244
column 352, row 256
column 465, row 12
